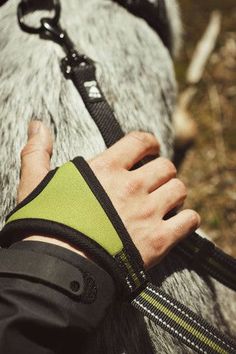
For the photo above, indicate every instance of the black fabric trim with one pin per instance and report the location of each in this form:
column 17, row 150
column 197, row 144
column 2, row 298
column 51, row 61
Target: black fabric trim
column 109, row 209
column 19, row 229
column 34, row 193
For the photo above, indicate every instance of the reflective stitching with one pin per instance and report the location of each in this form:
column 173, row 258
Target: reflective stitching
column 168, row 326
column 129, row 284
column 182, row 323
column 191, row 318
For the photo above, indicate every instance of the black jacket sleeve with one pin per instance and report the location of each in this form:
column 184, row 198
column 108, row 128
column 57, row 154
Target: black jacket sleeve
column 38, row 315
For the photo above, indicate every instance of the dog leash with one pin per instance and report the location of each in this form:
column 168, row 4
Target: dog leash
column 161, row 308
column 79, row 68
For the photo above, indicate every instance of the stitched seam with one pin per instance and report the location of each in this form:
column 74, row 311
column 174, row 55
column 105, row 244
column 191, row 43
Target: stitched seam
column 184, row 313
column 168, row 326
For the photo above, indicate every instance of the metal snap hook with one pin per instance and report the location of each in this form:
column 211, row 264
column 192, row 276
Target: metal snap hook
column 27, row 6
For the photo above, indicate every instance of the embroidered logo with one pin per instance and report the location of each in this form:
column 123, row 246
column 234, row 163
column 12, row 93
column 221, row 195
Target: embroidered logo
column 92, row 90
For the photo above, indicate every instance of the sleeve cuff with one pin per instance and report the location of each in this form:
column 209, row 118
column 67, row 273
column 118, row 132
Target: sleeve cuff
column 99, row 286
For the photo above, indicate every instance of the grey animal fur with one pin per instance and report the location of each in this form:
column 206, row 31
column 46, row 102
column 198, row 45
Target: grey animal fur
column 136, row 73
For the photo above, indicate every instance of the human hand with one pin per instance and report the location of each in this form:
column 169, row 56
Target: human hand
column 142, row 197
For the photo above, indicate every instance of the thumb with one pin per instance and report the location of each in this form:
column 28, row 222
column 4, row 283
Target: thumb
column 35, row 158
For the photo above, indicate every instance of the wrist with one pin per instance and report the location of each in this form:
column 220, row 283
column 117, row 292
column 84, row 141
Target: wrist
column 56, row 242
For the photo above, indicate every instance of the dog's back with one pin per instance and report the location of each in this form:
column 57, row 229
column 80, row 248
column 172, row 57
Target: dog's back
column 136, row 74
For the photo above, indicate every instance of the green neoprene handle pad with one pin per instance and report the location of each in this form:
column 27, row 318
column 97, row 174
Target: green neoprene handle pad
column 71, row 204
column 68, row 200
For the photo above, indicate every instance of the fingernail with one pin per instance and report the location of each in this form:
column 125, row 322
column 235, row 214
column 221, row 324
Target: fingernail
column 34, row 128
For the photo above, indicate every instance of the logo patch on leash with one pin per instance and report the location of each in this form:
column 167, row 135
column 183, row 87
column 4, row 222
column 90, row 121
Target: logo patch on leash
column 93, row 90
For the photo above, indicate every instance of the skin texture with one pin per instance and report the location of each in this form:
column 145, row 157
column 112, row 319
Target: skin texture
column 142, row 197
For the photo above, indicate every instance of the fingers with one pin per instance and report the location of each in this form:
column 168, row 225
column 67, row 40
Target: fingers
column 169, row 196
column 156, row 173
column 181, row 225
column 131, row 149
column 35, row 158
column 168, row 233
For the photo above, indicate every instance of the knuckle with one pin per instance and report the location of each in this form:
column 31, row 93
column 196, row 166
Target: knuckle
column 102, row 164
column 193, row 218
column 133, row 185
column 24, row 151
column 178, row 184
column 148, row 140
column 168, row 166
column 179, row 229
column 148, row 212
column 160, row 243
column 30, row 149
column 27, row 149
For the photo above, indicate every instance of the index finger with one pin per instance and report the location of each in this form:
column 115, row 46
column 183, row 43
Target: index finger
column 132, row 148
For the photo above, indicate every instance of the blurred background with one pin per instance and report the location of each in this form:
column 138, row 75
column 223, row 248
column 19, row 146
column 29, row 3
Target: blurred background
column 209, row 166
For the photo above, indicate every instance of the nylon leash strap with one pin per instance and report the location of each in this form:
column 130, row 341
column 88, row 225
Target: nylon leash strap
column 161, row 308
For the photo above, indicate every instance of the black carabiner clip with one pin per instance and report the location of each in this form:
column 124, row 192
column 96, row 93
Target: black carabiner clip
column 49, row 26
column 50, row 29
column 27, row 6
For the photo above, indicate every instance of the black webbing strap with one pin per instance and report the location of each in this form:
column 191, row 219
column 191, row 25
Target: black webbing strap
column 204, row 256
column 181, row 322
column 82, row 72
